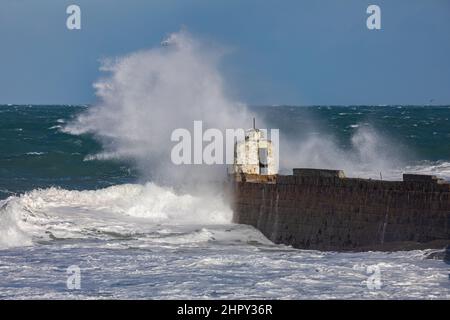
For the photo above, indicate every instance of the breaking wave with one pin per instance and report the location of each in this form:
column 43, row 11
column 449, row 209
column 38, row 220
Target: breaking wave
column 122, row 211
column 438, row 168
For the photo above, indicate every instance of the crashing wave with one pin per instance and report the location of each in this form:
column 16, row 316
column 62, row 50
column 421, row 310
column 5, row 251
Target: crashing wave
column 117, row 211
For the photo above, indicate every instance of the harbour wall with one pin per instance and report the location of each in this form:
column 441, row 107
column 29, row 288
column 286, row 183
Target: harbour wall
column 323, row 210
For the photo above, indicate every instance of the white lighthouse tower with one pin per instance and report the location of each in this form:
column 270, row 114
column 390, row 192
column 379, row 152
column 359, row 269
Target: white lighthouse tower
column 254, row 155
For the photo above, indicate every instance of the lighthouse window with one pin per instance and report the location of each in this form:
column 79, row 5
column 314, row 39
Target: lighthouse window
column 263, row 165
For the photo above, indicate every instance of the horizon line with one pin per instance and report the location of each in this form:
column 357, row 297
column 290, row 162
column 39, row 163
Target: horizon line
column 249, row 105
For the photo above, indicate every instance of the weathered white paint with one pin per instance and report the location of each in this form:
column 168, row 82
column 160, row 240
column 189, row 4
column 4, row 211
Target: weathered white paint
column 246, row 158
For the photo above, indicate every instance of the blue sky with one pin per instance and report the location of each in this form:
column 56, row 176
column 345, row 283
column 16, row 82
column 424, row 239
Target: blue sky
column 284, row 52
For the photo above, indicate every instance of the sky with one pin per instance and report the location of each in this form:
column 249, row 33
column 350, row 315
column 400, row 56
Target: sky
column 296, row 52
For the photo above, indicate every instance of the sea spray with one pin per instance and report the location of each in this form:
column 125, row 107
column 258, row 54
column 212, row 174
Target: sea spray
column 148, row 94
column 369, row 153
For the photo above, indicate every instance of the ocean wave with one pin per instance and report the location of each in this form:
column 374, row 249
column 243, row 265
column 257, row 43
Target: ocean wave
column 122, row 211
column 438, row 168
column 35, row 153
column 102, row 156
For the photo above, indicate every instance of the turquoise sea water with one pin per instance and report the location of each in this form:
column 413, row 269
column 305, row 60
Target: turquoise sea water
column 36, row 153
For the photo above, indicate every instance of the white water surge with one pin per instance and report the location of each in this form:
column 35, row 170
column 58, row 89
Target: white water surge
column 129, row 210
column 144, row 241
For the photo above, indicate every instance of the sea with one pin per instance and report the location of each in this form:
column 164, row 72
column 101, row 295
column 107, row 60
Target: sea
column 75, row 225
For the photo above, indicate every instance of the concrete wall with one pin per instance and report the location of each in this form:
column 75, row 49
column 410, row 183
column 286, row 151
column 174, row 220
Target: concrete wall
column 315, row 212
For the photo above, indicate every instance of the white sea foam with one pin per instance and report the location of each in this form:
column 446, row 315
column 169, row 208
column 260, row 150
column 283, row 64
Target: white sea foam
column 35, row 153
column 12, row 232
column 102, row 156
column 438, row 168
column 122, row 210
column 201, row 265
column 145, row 241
